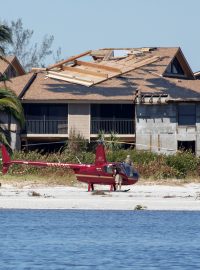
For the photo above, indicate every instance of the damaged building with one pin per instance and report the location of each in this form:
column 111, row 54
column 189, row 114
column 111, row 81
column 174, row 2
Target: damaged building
column 146, row 96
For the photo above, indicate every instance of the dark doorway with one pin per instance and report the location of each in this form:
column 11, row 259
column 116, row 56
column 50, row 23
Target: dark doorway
column 187, row 146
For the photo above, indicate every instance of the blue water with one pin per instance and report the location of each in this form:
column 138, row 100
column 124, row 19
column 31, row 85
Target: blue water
column 60, row 239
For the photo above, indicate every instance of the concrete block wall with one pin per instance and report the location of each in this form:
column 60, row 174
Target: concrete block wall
column 156, row 128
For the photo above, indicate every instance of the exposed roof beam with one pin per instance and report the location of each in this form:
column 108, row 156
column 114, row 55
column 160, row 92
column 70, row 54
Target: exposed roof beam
column 70, row 80
column 64, row 75
column 85, row 71
column 35, row 69
column 27, row 85
column 95, row 65
column 59, row 64
column 135, row 66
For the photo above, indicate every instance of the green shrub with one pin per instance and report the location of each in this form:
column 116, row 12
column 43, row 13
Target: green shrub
column 148, row 164
column 76, row 142
column 116, row 156
column 185, row 163
column 142, row 157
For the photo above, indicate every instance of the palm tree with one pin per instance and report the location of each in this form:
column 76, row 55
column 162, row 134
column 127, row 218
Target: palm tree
column 112, row 142
column 9, row 102
column 10, row 105
column 5, row 37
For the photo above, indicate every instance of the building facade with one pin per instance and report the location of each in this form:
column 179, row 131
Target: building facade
column 146, row 96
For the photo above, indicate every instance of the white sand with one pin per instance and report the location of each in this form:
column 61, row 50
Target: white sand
column 153, row 197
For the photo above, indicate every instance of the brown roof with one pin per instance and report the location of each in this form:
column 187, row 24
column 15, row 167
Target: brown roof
column 90, row 73
column 51, row 89
column 149, row 83
column 4, row 65
column 165, row 54
column 13, row 61
column 17, row 84
column 111, row 63
column 148, row 80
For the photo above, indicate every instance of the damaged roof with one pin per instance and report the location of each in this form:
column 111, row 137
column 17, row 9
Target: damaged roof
column 94, row 72
column 116, row 76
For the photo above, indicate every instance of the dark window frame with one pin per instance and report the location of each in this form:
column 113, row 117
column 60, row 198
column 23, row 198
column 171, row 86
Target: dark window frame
column 115, row 111
column 51, row 111
column 175, row 65
column 186, row 117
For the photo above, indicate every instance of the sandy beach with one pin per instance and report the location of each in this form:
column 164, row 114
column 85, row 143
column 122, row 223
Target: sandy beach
column 151, row 197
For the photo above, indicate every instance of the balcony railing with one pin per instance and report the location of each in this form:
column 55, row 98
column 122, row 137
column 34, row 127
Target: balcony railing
column 120, row 125
column 46, row 127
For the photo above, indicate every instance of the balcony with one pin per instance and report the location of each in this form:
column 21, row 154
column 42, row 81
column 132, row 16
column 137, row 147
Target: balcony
column 46, row 127
column 116, row 125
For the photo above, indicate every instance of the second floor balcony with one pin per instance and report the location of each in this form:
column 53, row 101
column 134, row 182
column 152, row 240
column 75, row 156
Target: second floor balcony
column 43, row 126
column 116, row 125
column 121, row 126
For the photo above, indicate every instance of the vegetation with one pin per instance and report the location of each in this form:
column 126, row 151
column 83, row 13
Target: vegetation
column 5, row 37
column 150, row 166
column 75, row 143
column 157, row 166
column 5, row 40
column 111, row 142
column 30, row 54
column 11, row 106
column 9, row 103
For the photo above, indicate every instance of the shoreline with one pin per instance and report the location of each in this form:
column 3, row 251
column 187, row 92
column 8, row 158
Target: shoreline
column 148, row 197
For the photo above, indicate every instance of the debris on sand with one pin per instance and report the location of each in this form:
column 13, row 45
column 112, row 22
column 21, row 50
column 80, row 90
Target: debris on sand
column 169, row 196
column 140, row 207
column 34, row 194
column 98, row 192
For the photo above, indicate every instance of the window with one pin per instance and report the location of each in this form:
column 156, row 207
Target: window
column 186, row 114
column 46, row 118
column 109, row 169
column 112, row 110
column 48, row 111
column 175, row 68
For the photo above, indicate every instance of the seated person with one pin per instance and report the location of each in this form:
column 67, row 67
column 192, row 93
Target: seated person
column 128, row 160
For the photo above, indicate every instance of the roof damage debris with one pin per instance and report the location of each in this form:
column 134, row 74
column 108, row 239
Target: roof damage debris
column 106, row 64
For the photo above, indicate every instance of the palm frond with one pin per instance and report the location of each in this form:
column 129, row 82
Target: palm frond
column 8, row 105
column 5, row 33
column 5, row 36
column 5, row 137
